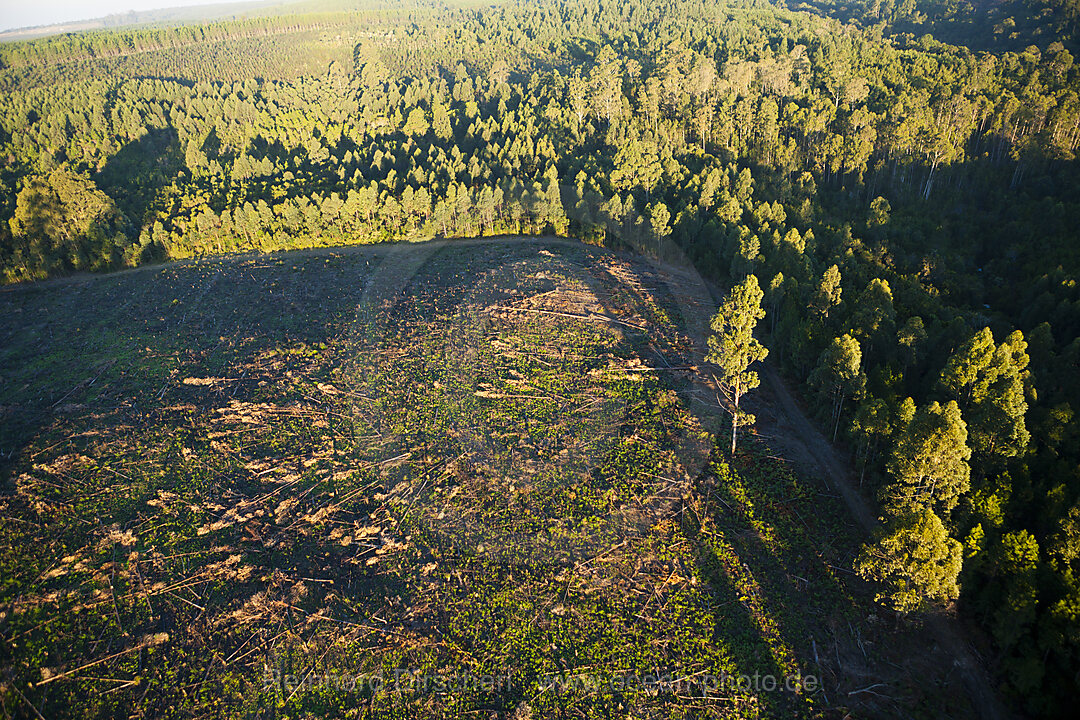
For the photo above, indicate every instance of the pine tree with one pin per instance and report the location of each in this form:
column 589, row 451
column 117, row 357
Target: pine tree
column 965, row 376
column 873, row 312
column 776, row 296
column 440, row 121
column 417, row 123
column 874, row 421
column 637, row 165
column 911, row 337
column 1015, row 565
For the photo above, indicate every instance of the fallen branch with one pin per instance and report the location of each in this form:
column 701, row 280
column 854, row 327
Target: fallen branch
column 590, row 316
column 141, row 646
column 692, row 368
column 869, row 689
column 15, row 686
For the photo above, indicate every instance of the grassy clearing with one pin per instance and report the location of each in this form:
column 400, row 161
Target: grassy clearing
column 233, row 487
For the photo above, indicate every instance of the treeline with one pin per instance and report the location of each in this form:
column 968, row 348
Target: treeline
column 1005, row 25
column 908, row 208
column 98, row 44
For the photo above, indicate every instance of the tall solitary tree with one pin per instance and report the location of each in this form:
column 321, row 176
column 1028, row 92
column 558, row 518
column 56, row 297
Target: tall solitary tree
column 733, row 347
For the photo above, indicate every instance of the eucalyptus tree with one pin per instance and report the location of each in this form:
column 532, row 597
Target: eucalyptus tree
column 733, row 347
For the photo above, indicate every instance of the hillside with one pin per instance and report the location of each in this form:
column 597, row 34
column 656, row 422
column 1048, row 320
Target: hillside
column 457, row 460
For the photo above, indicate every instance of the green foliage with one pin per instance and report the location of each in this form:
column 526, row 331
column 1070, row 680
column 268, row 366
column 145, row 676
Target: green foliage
column 829, row 291
column 417, row 123
column 967, row 375
column 1017, row 564
column 914, row 559
column 992, row 384
column 873, row 314
column 879, row 211
column 838, row 375
column 62, row 223
column 637, row 166
column 929, row 462
column 911, row 338
column 874, row 423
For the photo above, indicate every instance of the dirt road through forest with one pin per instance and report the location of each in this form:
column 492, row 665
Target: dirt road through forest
column 943, row 628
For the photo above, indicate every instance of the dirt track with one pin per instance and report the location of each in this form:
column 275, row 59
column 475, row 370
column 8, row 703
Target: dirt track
column 944, row 628
column 802, row 443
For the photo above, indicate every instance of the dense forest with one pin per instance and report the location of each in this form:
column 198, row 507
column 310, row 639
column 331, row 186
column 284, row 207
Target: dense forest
column 907, row 206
